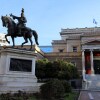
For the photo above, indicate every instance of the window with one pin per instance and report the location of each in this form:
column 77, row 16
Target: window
column 61, row 50
column 74, row 49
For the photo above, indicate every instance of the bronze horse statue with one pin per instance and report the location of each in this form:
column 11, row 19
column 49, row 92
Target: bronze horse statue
column 26, row 32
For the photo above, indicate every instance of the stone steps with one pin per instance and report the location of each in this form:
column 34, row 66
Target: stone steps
column 93, row 82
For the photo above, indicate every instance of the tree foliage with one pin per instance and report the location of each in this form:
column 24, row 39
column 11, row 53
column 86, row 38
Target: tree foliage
column 56, row 69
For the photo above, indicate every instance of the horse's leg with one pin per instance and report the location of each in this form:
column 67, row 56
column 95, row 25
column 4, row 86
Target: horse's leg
column 31, row 42
column 6, row 38
column 24, row 42
column 13, row 41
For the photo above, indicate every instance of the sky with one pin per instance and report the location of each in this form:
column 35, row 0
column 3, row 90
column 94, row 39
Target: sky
column 48, row 17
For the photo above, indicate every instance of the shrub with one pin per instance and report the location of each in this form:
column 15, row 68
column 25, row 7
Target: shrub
column 40, row 68
column 67, row 86
column 52, row 89
column 56, row 69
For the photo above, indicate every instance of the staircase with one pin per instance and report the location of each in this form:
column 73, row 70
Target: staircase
column 92, row 82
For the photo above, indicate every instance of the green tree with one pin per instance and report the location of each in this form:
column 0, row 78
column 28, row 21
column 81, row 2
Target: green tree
column 56, row 69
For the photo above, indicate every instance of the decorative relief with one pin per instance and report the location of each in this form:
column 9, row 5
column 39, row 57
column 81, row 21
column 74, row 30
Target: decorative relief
column 20, row 65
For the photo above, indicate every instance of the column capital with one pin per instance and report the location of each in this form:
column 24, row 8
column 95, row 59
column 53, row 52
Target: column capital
column 91, row 49
column 83, row 50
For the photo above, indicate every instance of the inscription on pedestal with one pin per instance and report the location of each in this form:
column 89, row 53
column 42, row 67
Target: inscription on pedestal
column 20, row 65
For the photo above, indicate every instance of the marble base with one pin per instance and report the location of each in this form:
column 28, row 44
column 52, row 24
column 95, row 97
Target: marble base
column 13, row 81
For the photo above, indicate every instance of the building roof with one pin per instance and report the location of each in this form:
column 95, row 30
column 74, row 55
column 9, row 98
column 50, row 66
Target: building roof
column 79, row 30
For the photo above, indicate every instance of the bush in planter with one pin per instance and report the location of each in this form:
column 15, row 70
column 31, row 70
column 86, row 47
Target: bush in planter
column 52, row 89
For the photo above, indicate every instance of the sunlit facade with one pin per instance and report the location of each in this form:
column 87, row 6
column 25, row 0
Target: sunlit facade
column 81, row 46
column 3, row 41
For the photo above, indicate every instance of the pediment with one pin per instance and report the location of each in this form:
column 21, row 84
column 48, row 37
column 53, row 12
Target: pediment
column 92, row 42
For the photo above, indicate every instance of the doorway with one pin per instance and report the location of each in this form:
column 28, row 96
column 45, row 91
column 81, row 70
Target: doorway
column 97, row 66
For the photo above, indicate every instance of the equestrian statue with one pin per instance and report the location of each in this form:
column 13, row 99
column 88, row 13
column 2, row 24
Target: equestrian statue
column 19, row 29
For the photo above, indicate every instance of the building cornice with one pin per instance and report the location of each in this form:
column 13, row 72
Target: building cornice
column 79, row 30
column 58, row 42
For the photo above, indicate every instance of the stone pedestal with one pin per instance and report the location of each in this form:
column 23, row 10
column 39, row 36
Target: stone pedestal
column 17, row 71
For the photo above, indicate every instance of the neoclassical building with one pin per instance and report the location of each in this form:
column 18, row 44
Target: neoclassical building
column 81, row 46
column 3, row 41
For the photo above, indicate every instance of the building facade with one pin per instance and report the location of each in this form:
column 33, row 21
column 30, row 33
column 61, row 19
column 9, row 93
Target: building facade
column 81, row 46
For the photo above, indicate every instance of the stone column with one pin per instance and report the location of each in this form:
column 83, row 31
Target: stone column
column 83, row 64
column 91, row 57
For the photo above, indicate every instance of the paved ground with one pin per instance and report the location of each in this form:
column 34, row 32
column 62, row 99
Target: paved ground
column 89, row 95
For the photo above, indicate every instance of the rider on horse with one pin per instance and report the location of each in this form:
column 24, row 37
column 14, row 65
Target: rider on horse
column 21, row 21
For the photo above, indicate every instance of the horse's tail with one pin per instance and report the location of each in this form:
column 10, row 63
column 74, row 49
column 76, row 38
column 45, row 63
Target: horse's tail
column 35, row 36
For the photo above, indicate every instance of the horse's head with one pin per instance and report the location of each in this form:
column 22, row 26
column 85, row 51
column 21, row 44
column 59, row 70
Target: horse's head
column 4, row 21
